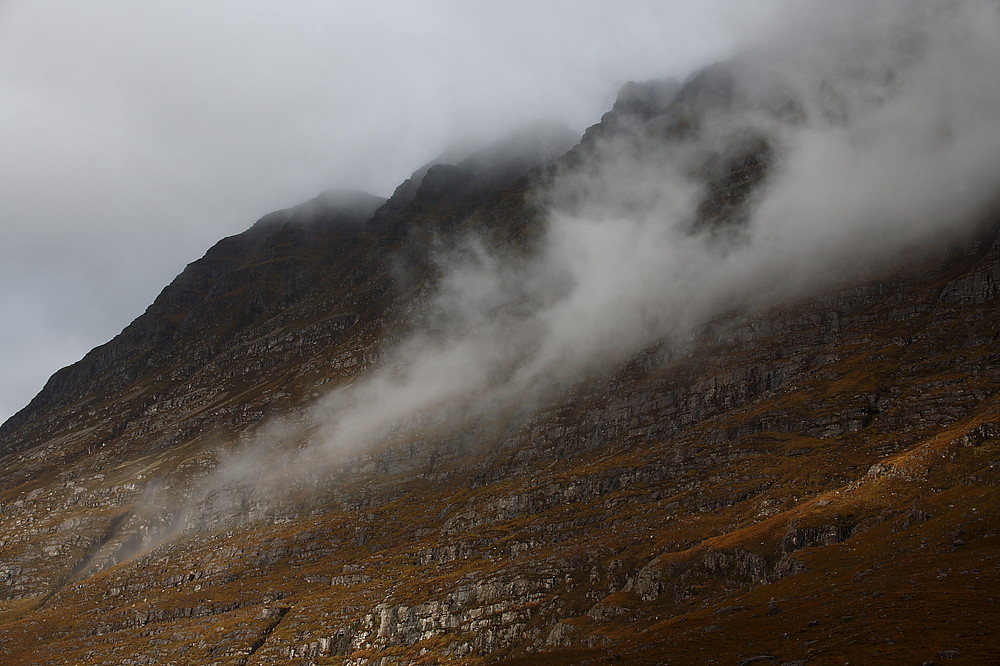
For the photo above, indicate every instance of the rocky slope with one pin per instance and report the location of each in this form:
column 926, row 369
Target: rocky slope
column 811, row 482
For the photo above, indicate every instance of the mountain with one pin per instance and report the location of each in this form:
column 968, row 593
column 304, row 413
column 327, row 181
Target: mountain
column 558, row 400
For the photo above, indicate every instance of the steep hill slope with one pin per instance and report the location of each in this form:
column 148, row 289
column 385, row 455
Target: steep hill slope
column 310, row 450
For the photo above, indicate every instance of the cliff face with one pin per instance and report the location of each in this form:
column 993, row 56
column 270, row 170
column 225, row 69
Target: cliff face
column 813, row 482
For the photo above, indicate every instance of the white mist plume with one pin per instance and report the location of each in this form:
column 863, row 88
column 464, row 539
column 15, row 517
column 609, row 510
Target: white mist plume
column 881, row 118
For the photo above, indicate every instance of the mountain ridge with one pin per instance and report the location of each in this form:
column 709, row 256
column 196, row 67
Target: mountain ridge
column 797, row 482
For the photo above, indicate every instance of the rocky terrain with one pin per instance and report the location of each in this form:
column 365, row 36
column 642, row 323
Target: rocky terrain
column 810, row 481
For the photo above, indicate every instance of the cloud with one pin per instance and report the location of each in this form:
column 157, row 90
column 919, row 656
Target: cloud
column 135, row 135
column 877, row 125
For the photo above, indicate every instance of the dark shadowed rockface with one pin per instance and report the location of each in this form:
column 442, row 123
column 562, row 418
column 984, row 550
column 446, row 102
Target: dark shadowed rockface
column 812, row 483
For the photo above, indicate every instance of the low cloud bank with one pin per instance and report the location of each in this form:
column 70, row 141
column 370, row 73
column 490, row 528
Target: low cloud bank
column 873, row 126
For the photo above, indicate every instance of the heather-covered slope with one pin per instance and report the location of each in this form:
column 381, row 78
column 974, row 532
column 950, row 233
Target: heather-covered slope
column 819, row 487
column 776, row 461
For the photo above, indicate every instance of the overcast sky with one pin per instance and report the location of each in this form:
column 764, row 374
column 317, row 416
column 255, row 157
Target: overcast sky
column 133, row 135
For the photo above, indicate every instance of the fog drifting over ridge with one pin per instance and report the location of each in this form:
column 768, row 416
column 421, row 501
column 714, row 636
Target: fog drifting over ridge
column 893, row 151
column 136, row 135
column 881, row 118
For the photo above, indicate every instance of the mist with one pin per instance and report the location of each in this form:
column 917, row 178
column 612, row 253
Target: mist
column 880, row 122
column 136, row 135
column 893, row 147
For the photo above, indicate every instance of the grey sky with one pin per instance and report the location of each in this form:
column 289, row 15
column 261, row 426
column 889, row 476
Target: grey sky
column 135, row 134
